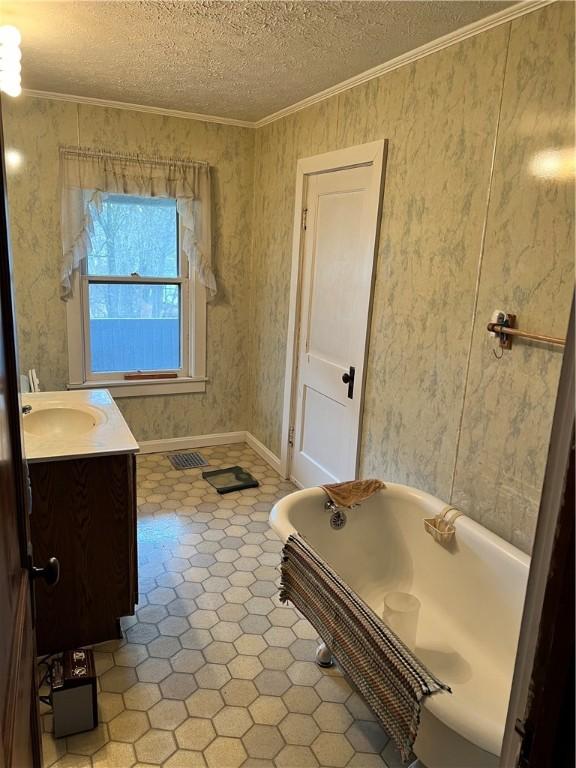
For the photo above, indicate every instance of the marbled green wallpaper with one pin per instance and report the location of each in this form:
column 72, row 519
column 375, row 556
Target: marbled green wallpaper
column 459, row 238
column 527, row 265
column 466, row 228
column 36, row 127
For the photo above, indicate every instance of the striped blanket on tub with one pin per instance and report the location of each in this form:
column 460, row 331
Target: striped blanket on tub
column 392, row 681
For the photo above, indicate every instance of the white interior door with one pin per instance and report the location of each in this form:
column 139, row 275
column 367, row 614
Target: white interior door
column 341, row 208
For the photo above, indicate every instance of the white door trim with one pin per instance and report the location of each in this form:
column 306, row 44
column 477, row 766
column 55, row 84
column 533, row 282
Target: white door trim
column 372, row 153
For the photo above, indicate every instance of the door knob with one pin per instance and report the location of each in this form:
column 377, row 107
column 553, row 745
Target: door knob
column 348, row 378
column 50, row 573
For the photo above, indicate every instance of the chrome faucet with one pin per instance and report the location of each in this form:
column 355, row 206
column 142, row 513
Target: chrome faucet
column 26, row 409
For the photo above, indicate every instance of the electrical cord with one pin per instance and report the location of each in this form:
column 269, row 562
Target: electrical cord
column 46, row 678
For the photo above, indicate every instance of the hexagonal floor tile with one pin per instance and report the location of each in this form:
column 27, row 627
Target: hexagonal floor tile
column 276, row 658
column 301, row 699
column 260, row 605
column 215, row 672
column 103, row 662
column 195, row 734
column 366, row 736
column 358, row 708
column 255, row 625
column 332, row 749
column 128, row 726
column 219, row 652
column 280, row 636
column 304, row 650
column 263, row 741
column 232, row 721
column 296, row 757
column 304, row 673
column 226, row 631
column 155, row 746
column 272, row 682
column 212, row 676
column 185, row 758
column 245, row 667
column 365, row 760
column 178, row 685
column 130, row 655
column 118, row 679
column 114, row 755
column 268, row 710
column 283, row 617
column 161, row 596
column 167, row 714
column 209, row 601
column 109, row 705
column 239, row 693
column 187, row 660
column 299, row 729
column 225, row 752
column 153, row 670
column 333, row 718
column 231, row 612
column 250, row 645
column 142, row 696
column 165, row 647
column 237, row 595
column 204, row 703
column 333, row 688
column 173, row 626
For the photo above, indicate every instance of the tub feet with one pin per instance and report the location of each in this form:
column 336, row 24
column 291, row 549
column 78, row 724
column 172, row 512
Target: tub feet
column 324, row 656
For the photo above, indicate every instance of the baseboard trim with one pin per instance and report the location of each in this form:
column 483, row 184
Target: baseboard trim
column 203, row 441
column 265, row 453
column 196, row 441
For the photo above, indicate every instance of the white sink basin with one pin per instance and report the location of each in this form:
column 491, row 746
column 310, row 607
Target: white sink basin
column 73, row 424
column 62, row 421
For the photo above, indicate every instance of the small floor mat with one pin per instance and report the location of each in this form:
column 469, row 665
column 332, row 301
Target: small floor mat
column 230, row 479
column 187, row 460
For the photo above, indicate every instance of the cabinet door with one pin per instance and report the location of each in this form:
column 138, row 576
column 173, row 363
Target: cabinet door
column 85, row 510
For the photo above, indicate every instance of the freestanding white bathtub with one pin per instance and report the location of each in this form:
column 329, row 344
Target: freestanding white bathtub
column 471, row 593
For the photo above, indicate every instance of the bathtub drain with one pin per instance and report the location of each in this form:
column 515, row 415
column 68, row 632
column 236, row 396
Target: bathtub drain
column 338, row 519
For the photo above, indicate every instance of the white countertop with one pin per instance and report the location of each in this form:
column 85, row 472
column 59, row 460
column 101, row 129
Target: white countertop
column 77, row 424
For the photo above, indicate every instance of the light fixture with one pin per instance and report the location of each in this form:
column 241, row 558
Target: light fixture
column 10, row 56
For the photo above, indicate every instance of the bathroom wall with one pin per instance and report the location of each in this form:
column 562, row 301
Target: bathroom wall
column 36, row 128
column 466, row 228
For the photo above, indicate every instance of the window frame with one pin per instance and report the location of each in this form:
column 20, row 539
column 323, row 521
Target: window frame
column 191, row 376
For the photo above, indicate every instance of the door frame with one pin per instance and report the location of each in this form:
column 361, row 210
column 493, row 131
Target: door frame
column 22, row 645
column 547, row 629
column 373, row 153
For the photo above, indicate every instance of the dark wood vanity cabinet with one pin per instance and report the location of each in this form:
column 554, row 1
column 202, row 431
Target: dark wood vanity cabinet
column 84, row 513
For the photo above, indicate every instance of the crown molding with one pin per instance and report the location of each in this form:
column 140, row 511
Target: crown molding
column 470, row 30
column 54, row 96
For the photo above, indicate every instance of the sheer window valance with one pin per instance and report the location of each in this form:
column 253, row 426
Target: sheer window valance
column 87, row 176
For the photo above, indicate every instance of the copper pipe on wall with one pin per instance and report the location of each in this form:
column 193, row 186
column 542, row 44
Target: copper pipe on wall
column 507, row 331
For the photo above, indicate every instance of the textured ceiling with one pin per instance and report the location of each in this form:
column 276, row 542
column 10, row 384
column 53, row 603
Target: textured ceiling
column 242, row 60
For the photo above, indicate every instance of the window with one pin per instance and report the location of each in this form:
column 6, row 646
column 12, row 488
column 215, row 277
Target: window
column 137, row 311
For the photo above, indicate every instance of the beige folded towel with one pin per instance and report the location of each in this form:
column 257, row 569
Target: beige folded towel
column 352, row 491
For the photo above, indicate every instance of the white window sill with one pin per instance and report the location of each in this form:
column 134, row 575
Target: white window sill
column 144, row 388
